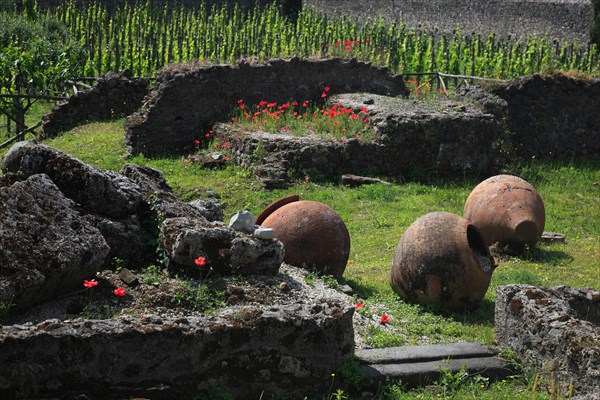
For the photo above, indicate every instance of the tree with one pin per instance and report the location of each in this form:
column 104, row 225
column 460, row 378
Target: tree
column 36, row 56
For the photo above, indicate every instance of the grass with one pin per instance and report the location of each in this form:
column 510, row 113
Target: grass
column 377, row 215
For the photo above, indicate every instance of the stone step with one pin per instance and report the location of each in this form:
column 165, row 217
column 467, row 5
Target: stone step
column 420, row 365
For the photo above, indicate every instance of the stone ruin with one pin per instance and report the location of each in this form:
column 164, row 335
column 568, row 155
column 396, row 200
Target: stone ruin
column 114, row 95
column 63, row 221
column 556, row 330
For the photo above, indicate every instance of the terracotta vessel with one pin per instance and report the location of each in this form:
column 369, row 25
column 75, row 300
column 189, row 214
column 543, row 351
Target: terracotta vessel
column 506, row 210
column 312, row 234
column 442, row 259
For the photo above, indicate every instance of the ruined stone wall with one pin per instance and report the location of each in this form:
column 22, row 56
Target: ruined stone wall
column 553, row 116
column 247, row 352
column 548, row 116
column 410, row 141
column 555, row 330
column 187, row 99
column 115, row 95
column 555, row 19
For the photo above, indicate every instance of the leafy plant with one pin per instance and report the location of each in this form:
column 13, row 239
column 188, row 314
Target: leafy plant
column 37, row 57
column 5, row 307
column 200, row 296
column 351, row 374
column 152, row 275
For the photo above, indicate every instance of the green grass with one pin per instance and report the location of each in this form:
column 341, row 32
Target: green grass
column 376, row 217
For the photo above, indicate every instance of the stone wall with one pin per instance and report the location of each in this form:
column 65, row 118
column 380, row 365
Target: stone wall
column 555, row 330
column 247, row 352
column 115, row 95
column 411, row 140
column 555, row 116
column 554, row 19
column 187, row 99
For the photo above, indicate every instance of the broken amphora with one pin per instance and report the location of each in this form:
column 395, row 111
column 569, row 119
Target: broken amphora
column 442, row 259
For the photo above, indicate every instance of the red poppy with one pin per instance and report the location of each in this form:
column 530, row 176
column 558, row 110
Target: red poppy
column 337, row 43
column 242, row 106
column 326, row 88
column 240, row 101
column 347, row 47
column 90, row 284
column 262, row 103
column 358, row 305
column 207, row 135
column 385, row 319
column 119, row 291
column 200, row 261
column 368, row 40
column 350, row 262
column 196, row 142
column 323, row 94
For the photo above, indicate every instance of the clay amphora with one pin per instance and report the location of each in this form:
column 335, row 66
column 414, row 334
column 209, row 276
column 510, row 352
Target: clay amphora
column 312, row 234
column 442, row 259
column 506, row 210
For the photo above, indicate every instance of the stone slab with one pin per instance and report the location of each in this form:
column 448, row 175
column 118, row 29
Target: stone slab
column 413, row 374
column 413, row 354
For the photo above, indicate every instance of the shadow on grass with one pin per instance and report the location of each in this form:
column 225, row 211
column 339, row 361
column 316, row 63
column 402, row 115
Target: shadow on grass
column 360, row 290
column 483, row 314
column 545, row 255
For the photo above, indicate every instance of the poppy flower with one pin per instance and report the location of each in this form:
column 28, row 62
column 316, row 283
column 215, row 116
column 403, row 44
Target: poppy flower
column 337, row 43
column 207, row 135
column 358, row 305
column 347, row 47
column 384, row 319
column 196, row 142
column 326, row 88
column 323, row 94
column 90, row 284
column 200, row 261
column 119, row 291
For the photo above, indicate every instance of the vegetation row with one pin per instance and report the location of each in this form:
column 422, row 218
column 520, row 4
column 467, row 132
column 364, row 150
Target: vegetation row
column 143, row 37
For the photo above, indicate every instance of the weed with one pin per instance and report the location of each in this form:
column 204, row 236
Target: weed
column 152, row 275
column 351, row 374
column 309, row 279
column 5, row 307
column 200, row 296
